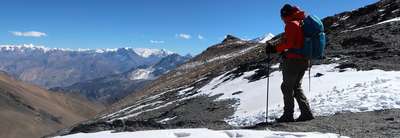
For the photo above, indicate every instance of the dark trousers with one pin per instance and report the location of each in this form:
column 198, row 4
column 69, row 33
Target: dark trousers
column 293, row 71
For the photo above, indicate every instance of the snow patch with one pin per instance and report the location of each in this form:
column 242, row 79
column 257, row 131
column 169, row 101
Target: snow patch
column 184, row 91
column 164, row 121
column 344, row 18
column 203, row 133
column 139, row 107
column 391, row 20
column 365, row 27
column 141, row 74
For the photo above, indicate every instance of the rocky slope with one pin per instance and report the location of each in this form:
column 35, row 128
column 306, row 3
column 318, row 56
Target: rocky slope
column 368, row 36
column 374, row 124
column 53, row 67
column 365, row 39
column 110, row 89
column 29, row 111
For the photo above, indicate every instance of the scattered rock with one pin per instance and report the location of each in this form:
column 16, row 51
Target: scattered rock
column 182, row 134
column 346, row 65
column 236, row 93
column 389, row 119
column 318, row 75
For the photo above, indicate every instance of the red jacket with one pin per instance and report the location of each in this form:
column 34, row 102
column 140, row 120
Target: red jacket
column 293, row 36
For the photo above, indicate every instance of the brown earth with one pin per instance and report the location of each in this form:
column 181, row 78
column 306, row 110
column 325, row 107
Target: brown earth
column 30, row 111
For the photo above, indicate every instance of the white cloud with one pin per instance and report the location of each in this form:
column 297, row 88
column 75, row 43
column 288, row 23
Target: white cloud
column 29, row 34
column 200, row 37
column 157, row 42
column 184, row 36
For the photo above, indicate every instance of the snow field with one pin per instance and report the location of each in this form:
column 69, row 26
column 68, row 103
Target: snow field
column 203, row 133
column 334, row 91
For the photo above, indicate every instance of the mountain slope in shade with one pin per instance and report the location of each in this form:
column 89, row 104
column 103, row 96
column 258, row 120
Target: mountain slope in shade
column 29, row 111
column 112, row 88
column 56, row 67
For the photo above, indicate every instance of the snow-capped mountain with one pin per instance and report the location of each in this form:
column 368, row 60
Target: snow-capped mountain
column 52, row 67
column 264, row 38
column 147, row 52
column 224, row 87
column 143, row 52
column 111, row 88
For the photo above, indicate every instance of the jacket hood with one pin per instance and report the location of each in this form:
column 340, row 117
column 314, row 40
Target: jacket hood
column 297, row 15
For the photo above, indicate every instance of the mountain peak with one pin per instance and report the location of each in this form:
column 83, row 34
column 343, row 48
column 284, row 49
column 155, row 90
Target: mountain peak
column 266, row 37
column 147, row 52
column 231, row 38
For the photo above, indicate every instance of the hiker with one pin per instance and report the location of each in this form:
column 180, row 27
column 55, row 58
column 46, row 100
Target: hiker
column 294, row 65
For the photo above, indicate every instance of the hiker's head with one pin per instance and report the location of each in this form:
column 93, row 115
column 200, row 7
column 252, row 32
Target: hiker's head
column 286, row 10
column 290, row 12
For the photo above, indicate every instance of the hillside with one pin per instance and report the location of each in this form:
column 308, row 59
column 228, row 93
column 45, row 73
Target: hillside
column 29, row 111
column 224, row 87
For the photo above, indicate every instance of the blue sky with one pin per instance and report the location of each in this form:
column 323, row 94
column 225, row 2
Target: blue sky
column 183, row 26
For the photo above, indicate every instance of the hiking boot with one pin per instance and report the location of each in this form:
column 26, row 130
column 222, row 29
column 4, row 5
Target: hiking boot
column 303, row 118
column 285, row 118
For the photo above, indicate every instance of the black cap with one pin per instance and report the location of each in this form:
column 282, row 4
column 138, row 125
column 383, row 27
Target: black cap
column 286, row 10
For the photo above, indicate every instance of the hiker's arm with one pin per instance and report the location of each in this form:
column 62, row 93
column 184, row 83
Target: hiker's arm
column 292, row 31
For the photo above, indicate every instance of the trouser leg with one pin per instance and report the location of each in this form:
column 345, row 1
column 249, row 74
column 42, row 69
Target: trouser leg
column 293, row 71
column 288, row 99
column 300, row 97
column 287, row 87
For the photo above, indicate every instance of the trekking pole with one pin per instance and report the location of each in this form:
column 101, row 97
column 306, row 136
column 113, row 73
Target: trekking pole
column 309, row 72
column 269, row 48
column 309, row 77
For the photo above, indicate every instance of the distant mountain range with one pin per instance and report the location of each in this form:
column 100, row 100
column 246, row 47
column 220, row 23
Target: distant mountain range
column 57, row 67
column 110, row 89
